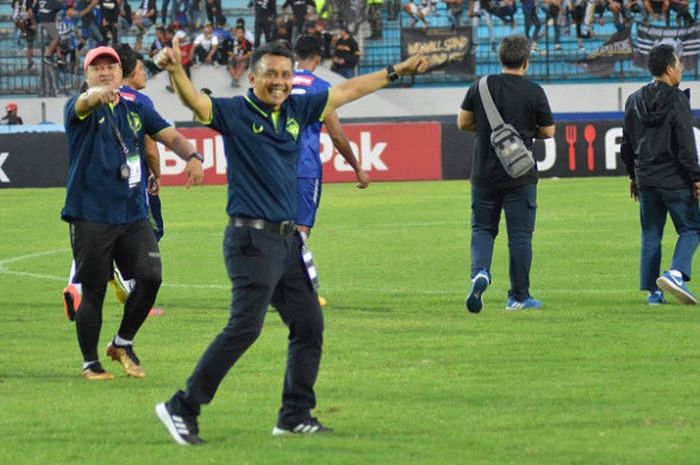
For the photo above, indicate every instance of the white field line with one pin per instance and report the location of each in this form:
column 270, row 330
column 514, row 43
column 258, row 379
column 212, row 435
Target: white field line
column 382, row 290
column 21, row 258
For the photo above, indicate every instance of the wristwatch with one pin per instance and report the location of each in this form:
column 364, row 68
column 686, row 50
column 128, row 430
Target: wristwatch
column 391, row 73
column 198, row 156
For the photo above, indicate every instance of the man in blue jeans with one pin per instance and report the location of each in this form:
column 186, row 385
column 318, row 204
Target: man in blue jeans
column 524, row 105
column 658, row 148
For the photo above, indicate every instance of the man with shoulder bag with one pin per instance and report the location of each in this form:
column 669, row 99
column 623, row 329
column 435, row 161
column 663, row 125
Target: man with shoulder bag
column 507, row 112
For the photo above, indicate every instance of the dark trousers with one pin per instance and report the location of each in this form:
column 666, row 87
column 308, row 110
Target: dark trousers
column 553, row 14
column 531, row 19
column 264, row 268
column 505, row 13
column 520, row 206
column 654, row 204
column 263, row 26
column 134, row 249
column 201, row 54
column 374, row 13
column 155, row 216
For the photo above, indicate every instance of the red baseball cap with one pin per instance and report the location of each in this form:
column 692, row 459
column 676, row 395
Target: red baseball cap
column 11, row 107
column 98, row 52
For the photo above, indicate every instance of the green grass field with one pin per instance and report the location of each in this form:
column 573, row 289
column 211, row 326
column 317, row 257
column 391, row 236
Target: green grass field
column 407, row 377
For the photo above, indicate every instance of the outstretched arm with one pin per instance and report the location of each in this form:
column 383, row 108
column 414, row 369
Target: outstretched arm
column 360, row 86
column 199, row 103
column 94, row 97
column 343, row 145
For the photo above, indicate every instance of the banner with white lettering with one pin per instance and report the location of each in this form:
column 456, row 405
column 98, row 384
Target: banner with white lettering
column 448, row 51
column 388, row 152
column 685, row 40
column 581, row 148
column 602, row 61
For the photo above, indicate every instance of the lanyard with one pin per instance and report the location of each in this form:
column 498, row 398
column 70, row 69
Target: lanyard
column 125, row 149
column 124, row 170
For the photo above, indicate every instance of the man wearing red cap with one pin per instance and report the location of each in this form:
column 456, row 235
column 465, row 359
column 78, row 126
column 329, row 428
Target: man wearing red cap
column 11, row 117
column 106, row 205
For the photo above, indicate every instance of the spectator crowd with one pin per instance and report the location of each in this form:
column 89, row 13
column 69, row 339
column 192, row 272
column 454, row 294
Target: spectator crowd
column 66, row 29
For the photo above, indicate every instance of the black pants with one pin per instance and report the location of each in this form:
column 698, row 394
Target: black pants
column 134, row 249
column 263, row 267
column 263, row 26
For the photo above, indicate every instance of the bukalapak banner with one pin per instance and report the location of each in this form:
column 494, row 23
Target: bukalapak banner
column 448, row 51
column 685, row 40
column 601, row 62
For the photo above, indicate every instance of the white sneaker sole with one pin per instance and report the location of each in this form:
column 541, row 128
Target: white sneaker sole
column 167, row 421
column 669, row 286
column 280, row 432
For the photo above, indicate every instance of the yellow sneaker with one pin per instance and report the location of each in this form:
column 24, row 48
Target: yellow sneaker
column 127, row 358
column 119, row 292
column 321, row 301
column 95, row 372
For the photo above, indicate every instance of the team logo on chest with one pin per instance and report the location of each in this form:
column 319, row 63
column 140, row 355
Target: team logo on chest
column 134, row 121
column 293, row 128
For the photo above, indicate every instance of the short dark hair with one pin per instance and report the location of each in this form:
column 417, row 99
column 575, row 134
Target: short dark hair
column 514, row 50
column 129, row 58
column 661, row 57
column 272, row 48
column 307, row 46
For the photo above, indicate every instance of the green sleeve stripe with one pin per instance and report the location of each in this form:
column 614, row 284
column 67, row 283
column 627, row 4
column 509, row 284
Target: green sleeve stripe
column 154, row 135
column 80, row 117
column 209, row 120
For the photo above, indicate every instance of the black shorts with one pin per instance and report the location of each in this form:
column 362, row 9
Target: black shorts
column 133, row 247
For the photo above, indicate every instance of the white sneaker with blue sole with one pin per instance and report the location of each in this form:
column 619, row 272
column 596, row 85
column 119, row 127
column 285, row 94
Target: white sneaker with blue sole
column 479, row 284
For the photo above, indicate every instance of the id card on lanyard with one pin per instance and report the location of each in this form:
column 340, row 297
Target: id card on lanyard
column 130, row 169
column 133, row 161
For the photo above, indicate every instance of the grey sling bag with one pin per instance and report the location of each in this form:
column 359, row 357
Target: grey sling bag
column 505, row 139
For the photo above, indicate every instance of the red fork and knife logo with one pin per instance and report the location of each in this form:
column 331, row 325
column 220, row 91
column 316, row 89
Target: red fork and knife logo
column 570, row 134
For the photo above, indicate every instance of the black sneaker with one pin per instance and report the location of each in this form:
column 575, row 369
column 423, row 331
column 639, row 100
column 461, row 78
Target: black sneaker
column 183, row 429
column 310, row 426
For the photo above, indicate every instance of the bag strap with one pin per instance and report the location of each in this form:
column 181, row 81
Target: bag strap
column 495, row 119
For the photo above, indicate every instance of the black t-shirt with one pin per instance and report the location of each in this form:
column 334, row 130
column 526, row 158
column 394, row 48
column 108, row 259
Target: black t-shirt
column 522, row 104
column 11, row 120
column 46, row 10
column 347, row 50
column 264, row 8
column 110, row 11
column 299, row 7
